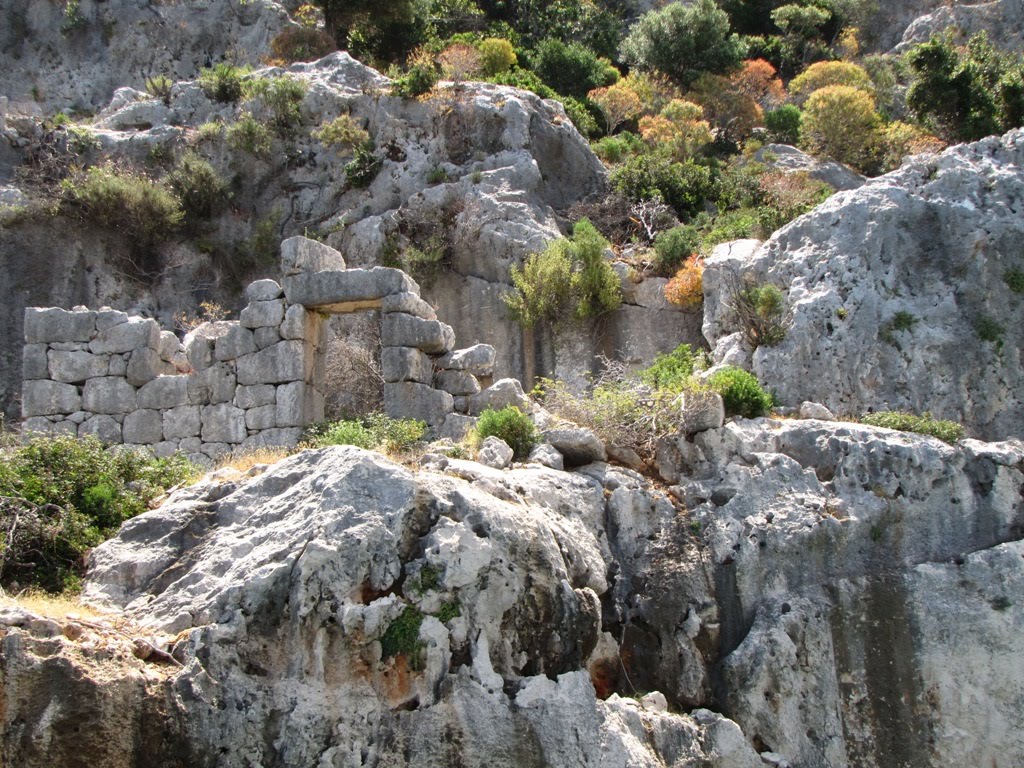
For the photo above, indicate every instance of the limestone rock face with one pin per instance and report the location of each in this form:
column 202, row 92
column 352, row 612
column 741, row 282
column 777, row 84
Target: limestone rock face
column 782, row 157
column 79, row 58
column 898, row 294
column 1001, row 20
column 288, row 586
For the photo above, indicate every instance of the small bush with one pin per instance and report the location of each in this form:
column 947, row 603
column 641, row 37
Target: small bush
column 374, row 432
column 419, row 79
column 201, row 190
column 570, row 69
column 828, row 73
column 989, row 330
column 342, row 132
column 671, row 370
column 615, row 149
column 686, row 288
column 146, row 212
column 672, row 248
column 741, row 393
column 283, row 96
column 61, row 496
column 759, row 309
column 947, row 431
column 569, row 280
column 249, row 135
column 159, row 86
column 1014, row 279
column 222, row 82
column 496, row 55
column 783, row 124
column 684, row 186
column 580, row 116
column 402, row 637
column 301, row 44
column 364, row 168
column 511, row 425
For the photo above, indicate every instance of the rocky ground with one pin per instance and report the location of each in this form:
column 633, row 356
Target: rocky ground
column 844, row 595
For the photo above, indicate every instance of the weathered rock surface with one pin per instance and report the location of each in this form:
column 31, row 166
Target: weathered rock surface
column 835, row 589
column 899, row 293
column 782, row 157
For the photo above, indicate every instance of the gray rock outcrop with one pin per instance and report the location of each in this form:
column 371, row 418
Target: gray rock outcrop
column 899, row 295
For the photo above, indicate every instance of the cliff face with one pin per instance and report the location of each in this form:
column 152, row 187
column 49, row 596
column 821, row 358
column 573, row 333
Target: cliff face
column 845, row 595
column 903, row 294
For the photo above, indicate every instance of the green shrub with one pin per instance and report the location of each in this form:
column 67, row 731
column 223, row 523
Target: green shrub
column 402, row 638
column 201, row 190
column 947, row 431
column 249, row 135
column 496, row 55
column 222, row 82
column 146, row 212
column 511, row 425
column 581, row 117
column 160, row 86
column 783, row 124
column 343, row 132
column 374, row 432
column 569, row 280
column 525, row 80
column 421, row 77
column 61, row 496
column 364, row 167
column 686, row 187
column 989, row 330
column 283, row 96
column 1014, row 279
column 571, row 69
column 671, row 370
column 673, row 247
column 615, row 149
column 741, row 393
column 759, row 309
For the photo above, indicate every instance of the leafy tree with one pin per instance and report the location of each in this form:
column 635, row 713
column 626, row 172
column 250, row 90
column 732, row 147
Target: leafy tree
column 683, row 41
column 732, row 113
column 966, row 93
column 571, row 69
column 758, row 80
column 783, row 124
column 841, row 122
column 680, row 126
column 684, row 186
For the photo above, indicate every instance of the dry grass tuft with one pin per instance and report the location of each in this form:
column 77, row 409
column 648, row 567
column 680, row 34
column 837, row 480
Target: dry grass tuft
column 62, row 606
column 244, row 461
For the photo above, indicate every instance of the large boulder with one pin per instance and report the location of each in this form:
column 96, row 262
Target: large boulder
column 903, row 294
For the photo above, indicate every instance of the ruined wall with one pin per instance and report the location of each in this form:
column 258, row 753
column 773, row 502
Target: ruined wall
column 239, row 385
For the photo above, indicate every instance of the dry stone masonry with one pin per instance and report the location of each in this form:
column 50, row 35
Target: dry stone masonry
column 239, row 385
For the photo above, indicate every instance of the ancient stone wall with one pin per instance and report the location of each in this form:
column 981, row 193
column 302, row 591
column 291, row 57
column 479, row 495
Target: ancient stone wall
column 238, row 385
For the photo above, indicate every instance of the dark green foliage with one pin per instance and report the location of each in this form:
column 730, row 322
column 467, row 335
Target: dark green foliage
column 284, row 95
column 1014, row 279
column 683, row 41
column 683, row 186
column 672, row 247
column 402, row 637
column 249, row 135
column 947, row 431
column 222, row 82
column 61, row 496
column 968, row 92
column 672, row 370
column 741, row 393
column 569, row 280
column 518, row 77
column 581, row 116
column 364, row 167
column 421, row 77
column 570, row 69
column 143, row 211
column 989, row 330
column 201, row 190
column 615, row 149
column 373, row 432
column 450, row 609
column 783, row 124
column 511, row 425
